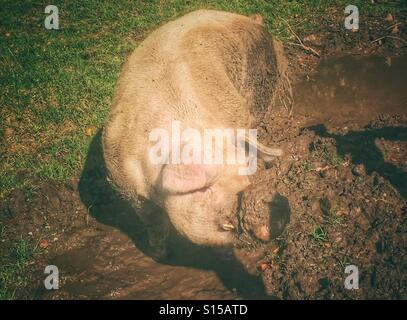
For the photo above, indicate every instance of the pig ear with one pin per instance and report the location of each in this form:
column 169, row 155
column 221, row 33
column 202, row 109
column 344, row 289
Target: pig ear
column 185, row 178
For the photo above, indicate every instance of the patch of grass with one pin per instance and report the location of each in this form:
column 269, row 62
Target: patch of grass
column 321, row 152
column 6, row 212
column 336, row 160
column 330, row 216
column 333, row 219
column 342, row 262
column 319, row 235
column 305, row 166
column 22, row 251
column 13, row 267
column 29, row 193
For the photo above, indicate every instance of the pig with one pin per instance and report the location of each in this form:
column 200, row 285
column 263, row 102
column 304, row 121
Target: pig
column 207, row 69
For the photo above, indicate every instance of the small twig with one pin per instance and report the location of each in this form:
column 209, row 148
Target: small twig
column 380, row 199
column 304, row 47
column 378, row 39
column 392, row 26
column 397, row 38
column 321, row 169
column 391, row 37
column 300, row 43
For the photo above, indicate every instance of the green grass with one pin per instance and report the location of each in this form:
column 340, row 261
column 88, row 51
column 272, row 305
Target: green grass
column 13, row 266
column 319, row 235
column 330, row 157
column 56, row 83
column 333, row 219
column 342, row 262
column 305, row 166
column 29, row 194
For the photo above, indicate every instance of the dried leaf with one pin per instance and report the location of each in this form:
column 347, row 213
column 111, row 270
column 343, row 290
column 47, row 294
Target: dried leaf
column 44, row 244
column 90, row 131
column 389, row 18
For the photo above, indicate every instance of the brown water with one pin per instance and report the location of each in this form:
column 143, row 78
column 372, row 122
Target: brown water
column 351, row 89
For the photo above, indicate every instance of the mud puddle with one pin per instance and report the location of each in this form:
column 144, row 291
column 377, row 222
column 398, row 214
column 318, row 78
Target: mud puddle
column 109, row 266
column 349, row 90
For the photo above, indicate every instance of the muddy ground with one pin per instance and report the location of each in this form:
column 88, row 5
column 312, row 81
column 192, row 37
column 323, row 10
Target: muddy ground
column 343, row 174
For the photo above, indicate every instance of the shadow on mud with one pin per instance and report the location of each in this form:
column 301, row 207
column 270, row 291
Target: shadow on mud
column 363, row 149
column 108, row 208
